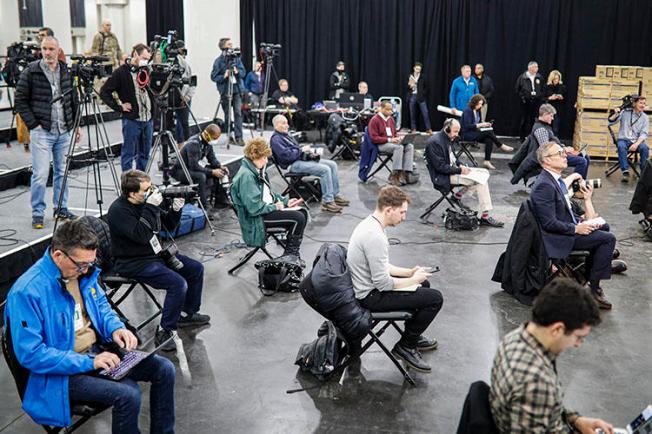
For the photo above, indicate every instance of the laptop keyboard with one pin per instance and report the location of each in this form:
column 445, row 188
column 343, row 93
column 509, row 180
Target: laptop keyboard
column 131, row 359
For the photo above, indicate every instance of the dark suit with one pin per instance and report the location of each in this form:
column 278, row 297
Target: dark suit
column 440, row 166
column 558, row 229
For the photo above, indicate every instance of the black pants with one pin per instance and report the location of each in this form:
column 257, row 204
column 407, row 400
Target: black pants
column 529, row 112
column 490, row 140
column 424, row 303
column 600, row 244
column 182, row 117
column 292, row 221
column 204, row 184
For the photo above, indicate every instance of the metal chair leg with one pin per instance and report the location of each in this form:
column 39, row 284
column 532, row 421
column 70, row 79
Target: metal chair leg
column 245, row 259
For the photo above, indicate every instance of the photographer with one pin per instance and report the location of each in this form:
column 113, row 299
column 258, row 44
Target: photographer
column 228, row 68
column 135, row 103
column 634, row 128
column 135, row 219
column 50, row 125
column 197, row 148
column 288, row 153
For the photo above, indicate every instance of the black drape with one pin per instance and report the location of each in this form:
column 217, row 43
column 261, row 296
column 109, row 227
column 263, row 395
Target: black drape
column 380, row 39
column 163, row 15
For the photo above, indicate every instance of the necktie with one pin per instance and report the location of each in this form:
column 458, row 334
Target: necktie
column 564, row 190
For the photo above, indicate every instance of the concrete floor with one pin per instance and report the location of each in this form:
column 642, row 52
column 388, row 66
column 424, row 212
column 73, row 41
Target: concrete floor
column 233, row 375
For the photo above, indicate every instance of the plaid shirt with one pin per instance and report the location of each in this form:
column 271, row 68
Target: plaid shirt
column 526, row 395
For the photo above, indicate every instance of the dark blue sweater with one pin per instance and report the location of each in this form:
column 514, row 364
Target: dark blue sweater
column 286, row 149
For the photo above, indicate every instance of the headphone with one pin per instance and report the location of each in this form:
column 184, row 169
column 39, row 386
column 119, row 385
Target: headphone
column 205, row 136
column 447, row 125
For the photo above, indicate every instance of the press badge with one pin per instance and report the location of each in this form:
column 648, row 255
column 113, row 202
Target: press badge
column 79, row 319
column 388, row 130
column 156, row 246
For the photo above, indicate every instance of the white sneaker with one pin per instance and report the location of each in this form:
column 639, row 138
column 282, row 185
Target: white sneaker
column 506, row 148
column 488, row 165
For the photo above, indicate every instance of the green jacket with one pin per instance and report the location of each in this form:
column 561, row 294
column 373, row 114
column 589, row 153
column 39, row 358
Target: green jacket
column 247, row 197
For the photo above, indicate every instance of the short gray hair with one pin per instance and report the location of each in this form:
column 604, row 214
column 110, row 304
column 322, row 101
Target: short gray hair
column 276, row 119
column 532, row 63
column 546, row 109
column 544, row 151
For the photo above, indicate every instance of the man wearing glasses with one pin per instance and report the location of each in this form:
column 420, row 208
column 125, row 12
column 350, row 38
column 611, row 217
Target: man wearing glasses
column 526, row 395
column 58, row 318
column 562, row 229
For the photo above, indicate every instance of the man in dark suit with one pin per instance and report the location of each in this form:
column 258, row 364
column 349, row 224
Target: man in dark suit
column 562, row 229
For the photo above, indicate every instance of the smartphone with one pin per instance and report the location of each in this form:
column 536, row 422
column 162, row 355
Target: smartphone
column 431, row 269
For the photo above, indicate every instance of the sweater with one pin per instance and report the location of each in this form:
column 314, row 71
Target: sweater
column 285, row 148
column 461, row 92
column 254, row 83
column 193, row 152
column 377, row 129
column 122, row 82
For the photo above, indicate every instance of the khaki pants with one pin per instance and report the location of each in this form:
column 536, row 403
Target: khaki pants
column 481, row 190
column 483, row 112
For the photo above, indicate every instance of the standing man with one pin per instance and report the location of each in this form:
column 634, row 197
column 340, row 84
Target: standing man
column 486, row 86
column 634, row 128
column 526, row 395
column 50, row 124
column 255, row 84
column 228, row 68
column 59, row 321
column 462, row 89
column 417, row 94
column 136, row 105
column 529, row 88
column 186, row 93
column 105, row 43
column 382, row 131
column 339, row 81
column 382, row 287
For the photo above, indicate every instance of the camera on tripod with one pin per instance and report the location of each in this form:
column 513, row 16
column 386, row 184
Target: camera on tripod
column 168, row 74
column 232, row 53
column 19, row 55
column 593, row 183
column 88, row 68
column 269, row 50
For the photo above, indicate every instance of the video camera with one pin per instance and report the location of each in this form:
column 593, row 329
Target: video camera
column 168, row 74
column 170, row 44
column 232, row 53
column 19, row 55
column 269, row 50
column 87, row 68
column 628, row 102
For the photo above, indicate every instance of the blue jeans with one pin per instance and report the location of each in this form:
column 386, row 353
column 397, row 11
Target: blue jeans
column 326, row 170
column 137, row 141
column 623, row 149
column 46, row 146
column 413, row 112
column 183, row 288
column 580, row 163
column 237, row 113
column 124, row 395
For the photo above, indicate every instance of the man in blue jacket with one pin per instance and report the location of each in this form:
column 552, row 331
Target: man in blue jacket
column 462, row 89
column 57, row 316
column 227, row 68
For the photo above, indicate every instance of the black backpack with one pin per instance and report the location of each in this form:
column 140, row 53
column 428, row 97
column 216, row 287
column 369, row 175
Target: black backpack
column 322, row 356
column 461, row 220
column 276, row 275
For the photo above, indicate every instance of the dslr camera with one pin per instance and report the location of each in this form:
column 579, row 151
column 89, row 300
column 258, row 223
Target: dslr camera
column 168, row 254
column 593, row 183
column 309, row 156
column 174, row 191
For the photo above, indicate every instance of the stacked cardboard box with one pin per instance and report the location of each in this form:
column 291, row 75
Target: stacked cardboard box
column 615, row 72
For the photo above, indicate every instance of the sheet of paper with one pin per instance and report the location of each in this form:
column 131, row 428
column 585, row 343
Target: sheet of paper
column 598, row 221
column 477, row 175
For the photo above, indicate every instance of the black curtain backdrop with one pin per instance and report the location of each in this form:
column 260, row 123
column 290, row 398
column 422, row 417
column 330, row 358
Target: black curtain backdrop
column 380, row 39
column 163, row 15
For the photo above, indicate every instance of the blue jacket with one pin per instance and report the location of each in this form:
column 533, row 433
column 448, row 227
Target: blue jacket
column 253, row 83
column 217, row 75
column 40, row 312
column 368, row 155
column 461, row 93
column 469, row 121
column 286, row 150
column 438, row 161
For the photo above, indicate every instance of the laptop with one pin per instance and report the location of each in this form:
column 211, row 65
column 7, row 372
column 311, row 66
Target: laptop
column 642, row 424
column 330, row 105
column 128, row 360
column 349, row 99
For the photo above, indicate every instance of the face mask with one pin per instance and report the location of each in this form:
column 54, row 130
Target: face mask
column 213, row 142
column 142, row 62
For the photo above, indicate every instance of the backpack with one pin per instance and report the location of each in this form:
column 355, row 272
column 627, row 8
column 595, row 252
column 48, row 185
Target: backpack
column 276, row 275
column 322, row 356
column 461, row 220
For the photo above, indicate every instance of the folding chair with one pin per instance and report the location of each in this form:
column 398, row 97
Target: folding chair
column 464, row 149
column 632, row 158
column 448, row 196
column 274, row 233
column 295, row 181
column 384, row 158
column 82, row 411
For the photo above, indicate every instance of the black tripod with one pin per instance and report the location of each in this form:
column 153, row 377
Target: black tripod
column 100, row 153
column 229, row 117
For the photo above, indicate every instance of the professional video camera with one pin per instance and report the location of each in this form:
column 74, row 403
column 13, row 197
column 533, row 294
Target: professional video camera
column 87, row 68
column 19, row 55
column 173, row 191
column 269, row 50
column 232, row 53
column 170, row 45
column 168, row 74
column 628, row 102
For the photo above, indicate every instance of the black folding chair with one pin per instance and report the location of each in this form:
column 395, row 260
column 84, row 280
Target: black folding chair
column 465, row 149
column 448, row 196
column 113, row 283
column 274, row 233
column 295, row 183
column 632, row 158
column 81, row 411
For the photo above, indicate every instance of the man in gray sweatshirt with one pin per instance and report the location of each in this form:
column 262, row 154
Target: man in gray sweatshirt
column 382, row 287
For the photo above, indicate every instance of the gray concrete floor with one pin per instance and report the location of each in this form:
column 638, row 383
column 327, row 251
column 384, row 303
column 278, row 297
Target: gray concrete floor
column 233, row 375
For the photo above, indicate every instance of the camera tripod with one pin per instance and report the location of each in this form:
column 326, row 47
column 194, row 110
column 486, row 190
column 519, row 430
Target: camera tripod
column 229, row 117
column 164, row 142
column 100, row 153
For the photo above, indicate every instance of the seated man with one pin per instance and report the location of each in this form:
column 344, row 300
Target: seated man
column 196, row 149
column 135, row 219
column 382, row 287
column 283, row 97
column 382, row 130
column 562, row 230
column 288, row 153
column 446, row 171
column 363, row 89
column 57, row 317
column 526, row 395
column 634, row 128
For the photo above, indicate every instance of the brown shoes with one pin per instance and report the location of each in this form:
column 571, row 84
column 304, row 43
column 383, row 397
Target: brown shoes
column 339, row 200
column 599, row 297
column 395, row 179
column 331, row 207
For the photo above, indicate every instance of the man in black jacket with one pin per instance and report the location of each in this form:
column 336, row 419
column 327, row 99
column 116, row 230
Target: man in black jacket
column 417, row 94
column 486, row 86
column 339, row 81
column 197, row 148
column 529, row 88
column 50, row 124
column 136, row 105
column 446, row 171
column 135, row 219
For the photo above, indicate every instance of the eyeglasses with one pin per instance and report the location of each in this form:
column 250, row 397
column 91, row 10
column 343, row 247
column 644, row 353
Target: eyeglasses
column 81, row 266
column 561, row 153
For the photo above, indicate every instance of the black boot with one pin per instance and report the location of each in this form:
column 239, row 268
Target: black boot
column 291, row 253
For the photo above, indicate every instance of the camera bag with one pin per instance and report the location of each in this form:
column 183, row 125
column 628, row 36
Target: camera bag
column 323, row 355
column 192, row 220
column 461, row 220
column 276, row 275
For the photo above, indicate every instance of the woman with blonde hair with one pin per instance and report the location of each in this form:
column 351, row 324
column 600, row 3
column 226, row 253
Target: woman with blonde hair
column 555, row 95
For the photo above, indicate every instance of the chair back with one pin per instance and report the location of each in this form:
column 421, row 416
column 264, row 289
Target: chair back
column 101, row 228
column 20, row 374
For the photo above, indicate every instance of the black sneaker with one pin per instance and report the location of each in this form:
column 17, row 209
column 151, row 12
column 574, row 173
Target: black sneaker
column 490, row 221
column 412, row 357
column 425, row 344
column 457, row 201
column 196, row 319
column 164, row 339
column 64, row 214
column 37, row 223
column 625, row 178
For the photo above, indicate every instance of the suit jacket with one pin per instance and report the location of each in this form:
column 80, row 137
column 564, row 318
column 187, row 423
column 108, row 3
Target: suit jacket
column 422, row 89
column 438, row 160
column 553, row 215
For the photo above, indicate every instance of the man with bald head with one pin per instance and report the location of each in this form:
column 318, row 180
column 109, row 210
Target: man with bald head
column 50, row 125
column 210, row 174
column 105, row 43
column 447, row 172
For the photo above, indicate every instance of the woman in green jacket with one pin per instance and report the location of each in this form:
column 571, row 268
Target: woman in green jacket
column 259, row 208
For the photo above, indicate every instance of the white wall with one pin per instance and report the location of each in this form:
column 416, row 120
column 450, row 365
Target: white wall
column 205, row 23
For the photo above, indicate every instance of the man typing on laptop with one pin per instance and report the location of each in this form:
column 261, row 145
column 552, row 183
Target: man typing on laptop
column 57, row 317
